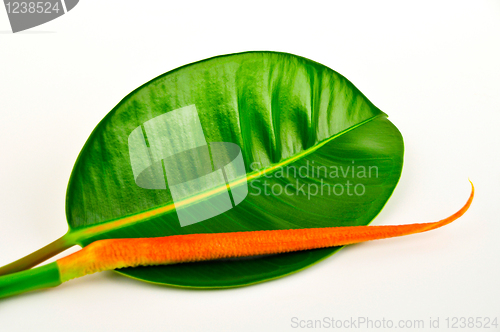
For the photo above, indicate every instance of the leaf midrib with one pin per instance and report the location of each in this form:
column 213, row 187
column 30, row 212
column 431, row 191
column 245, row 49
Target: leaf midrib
column 80, row 234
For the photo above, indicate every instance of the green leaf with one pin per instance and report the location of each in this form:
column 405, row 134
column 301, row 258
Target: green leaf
column 285, row 113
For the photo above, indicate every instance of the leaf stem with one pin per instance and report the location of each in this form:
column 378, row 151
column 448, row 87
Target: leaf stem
column 38, row 256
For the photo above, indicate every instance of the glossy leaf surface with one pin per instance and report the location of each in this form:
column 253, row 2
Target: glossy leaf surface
column 287, row 114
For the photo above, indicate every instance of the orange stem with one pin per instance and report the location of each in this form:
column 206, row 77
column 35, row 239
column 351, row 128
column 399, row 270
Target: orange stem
column 118, row 253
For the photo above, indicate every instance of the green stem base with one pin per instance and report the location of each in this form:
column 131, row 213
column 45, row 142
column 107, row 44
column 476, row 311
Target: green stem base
column 25, row 281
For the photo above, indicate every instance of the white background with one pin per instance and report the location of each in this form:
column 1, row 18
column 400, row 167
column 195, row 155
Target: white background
column 433, row 66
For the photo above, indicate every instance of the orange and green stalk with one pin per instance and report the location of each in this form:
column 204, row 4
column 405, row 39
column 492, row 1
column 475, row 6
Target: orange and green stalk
column 119, row 253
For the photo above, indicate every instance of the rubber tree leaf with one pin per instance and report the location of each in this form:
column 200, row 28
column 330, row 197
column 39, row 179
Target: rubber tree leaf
column 299, row 127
